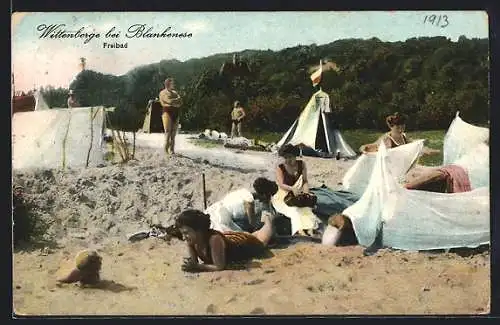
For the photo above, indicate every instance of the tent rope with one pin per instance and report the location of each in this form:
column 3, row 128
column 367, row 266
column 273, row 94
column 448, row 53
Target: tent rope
column 64, row 141
column 92, row 117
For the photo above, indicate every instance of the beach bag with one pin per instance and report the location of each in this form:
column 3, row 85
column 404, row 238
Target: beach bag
column 302, row 200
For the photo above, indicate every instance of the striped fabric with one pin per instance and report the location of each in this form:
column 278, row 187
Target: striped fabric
column 241, row 246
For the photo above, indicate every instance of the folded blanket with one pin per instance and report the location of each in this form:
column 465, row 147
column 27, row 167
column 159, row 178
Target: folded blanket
column 332, row 202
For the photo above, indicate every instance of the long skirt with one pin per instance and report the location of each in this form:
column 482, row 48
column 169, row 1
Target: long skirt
column 301, row 218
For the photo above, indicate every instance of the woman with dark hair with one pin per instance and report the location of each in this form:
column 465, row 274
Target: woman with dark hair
column 240, row 210
column 293, row 198
column 395, row 137
column 219, row 249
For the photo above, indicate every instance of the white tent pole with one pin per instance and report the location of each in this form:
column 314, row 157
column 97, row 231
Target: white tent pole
column 321, row 69
column 326, row 133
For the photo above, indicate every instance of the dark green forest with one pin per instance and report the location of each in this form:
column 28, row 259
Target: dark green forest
column 428, row 79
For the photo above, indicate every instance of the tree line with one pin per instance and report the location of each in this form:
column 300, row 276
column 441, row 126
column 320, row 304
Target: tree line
column 427, row 78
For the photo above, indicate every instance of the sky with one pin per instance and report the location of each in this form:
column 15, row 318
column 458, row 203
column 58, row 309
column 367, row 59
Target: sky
column 38, row 61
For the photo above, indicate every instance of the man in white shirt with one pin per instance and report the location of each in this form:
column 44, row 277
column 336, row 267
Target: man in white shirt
column 241, row 210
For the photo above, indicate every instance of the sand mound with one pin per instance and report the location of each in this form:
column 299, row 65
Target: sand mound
column 101, row 206
column 97, row 204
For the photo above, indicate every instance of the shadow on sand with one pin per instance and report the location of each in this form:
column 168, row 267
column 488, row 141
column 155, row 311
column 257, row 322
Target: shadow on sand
column 282, row 242
column 462, row 251
column 108, row 285
column 40, row 245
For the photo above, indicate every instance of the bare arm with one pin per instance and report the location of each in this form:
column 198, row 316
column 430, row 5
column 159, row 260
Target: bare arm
column 373, row 147
column 429, row 151
column 279, row 180
column 250, row 212
column 169, row 98
column 243, row 114
column 370, row 147
column 429, row 176
column 218, row 252
column 163, row 98
column 305, row 181
column 192, row 253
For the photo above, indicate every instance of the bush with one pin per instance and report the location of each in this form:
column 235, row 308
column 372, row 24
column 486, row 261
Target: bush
column 27, row 227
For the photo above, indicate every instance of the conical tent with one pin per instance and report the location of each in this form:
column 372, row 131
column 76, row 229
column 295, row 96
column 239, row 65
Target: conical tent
column 40, row 103
column 153, row 122
column 314, row 131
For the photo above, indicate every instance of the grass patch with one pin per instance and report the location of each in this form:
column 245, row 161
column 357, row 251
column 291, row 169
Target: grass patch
column 434, row 140
column 356, row 138
column 268, row 137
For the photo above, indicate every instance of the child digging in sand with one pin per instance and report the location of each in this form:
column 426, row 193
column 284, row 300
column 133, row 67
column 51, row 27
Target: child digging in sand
column 217, row 250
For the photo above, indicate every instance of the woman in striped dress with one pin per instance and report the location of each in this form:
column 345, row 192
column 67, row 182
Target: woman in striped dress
column 217, row 249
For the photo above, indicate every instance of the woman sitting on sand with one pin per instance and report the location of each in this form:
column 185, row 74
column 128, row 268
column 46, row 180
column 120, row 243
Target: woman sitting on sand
column 291, row 176
column 395, row 137
column 217, row 249
column 241, row 210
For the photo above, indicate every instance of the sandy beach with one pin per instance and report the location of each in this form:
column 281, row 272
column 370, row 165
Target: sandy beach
column 98, row 208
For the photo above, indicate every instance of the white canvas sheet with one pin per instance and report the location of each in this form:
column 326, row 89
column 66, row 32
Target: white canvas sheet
column 461, row 138
column 463, row 144
column 357, row 177
column 418, row 220
column 53, row 138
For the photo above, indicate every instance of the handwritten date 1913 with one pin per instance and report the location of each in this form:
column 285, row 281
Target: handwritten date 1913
column 437, row 20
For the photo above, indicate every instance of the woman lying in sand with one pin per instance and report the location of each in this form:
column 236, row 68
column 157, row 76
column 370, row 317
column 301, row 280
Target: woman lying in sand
column 446, row 179
column 216, row 249
column 291, row 176
column 468, row 172
column 464, row 175
column 241, row 210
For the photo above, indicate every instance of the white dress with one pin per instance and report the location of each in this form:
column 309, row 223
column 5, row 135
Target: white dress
column 301, row 218
column 223, row 213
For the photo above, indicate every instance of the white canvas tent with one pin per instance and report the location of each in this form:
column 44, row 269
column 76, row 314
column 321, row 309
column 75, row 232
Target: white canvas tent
column 420, row 220
column 40, row 103
column 314, row 130
column 58, row 138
